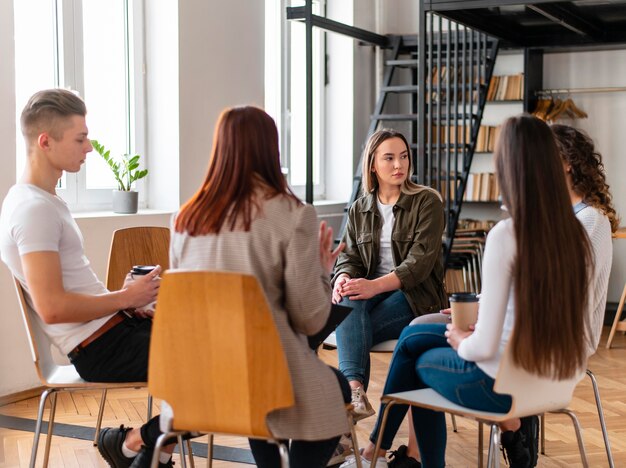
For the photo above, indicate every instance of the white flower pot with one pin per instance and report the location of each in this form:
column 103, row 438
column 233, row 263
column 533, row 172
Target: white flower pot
column 125, row 202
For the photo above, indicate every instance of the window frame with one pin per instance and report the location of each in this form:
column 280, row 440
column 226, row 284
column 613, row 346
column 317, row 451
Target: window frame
column 69, row 74
column 278, row 101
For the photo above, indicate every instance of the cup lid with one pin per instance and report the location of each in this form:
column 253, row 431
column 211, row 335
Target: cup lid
column 464, row 297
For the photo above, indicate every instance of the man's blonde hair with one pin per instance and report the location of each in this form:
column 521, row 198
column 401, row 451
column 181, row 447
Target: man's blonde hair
column 48, row 111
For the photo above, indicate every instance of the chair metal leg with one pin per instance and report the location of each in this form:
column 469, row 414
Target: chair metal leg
column 149, row 407
column 158, row 446
column 542, row 430
column 381, row 429
column 103, row 400
column 209, row 456
column 284, row 455
column 42, row 405
column 355, row 442
column 481, row 443
column 493, row 458
column 192, row 463
column 579, row 436
column 454, row 428
column 53, row 409
column 605, row 433
column 181, row 449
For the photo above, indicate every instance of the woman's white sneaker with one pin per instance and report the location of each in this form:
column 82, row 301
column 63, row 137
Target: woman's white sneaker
column 381, row 462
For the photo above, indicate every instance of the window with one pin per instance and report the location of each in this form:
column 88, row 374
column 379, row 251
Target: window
column 89, row 46
column 285, row 81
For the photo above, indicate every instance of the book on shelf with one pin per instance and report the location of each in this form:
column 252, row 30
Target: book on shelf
column 506, row 88
column 481, row 187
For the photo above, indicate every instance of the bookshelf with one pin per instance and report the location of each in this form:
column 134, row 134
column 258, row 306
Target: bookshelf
column 504, row 99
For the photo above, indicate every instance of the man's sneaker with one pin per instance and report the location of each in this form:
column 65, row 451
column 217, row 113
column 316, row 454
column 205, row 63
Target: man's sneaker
column 361, row 407
column 515, row 451
column 530, row 429
column 144, row 459
column 381, row 462
column 400, row 459
column 110, row 443
column 343, row 449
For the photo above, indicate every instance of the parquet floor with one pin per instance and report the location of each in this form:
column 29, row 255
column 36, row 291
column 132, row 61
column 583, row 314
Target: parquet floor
column 129, row 407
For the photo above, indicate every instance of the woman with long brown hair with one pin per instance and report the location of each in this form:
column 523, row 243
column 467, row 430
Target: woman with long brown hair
column 244, row 218
column 534, row 296
column 392, row 267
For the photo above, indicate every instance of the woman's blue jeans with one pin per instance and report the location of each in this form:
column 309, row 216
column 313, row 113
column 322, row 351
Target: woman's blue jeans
column 422, row 359
column 372, row 321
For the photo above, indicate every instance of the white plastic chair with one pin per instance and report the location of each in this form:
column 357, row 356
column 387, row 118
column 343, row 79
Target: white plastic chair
column 57, row 378
column 531, row 395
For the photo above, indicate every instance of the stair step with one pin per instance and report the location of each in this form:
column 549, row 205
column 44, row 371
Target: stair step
column 399, row 89
column 407, row 63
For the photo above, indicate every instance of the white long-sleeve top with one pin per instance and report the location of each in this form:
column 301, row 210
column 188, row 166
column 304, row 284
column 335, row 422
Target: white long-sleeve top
column 598, row 229
column 497, row 310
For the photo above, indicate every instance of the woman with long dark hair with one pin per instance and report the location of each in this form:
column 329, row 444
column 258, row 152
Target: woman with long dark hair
column 533, row 299
column 392, row 268
column 244, row 218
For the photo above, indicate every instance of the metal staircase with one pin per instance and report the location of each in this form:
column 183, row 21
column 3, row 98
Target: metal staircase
column 436, row 99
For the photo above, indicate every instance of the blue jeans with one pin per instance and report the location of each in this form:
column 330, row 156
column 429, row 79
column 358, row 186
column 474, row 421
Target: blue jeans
column 424, row 359
column 372, row 321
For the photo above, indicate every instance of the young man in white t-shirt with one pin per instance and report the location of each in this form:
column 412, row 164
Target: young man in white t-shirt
column 43, row 247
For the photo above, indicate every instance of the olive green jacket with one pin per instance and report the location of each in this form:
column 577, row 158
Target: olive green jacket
column 416, row 244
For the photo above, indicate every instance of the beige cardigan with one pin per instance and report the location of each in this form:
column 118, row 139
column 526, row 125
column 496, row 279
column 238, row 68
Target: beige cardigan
column 282, row 251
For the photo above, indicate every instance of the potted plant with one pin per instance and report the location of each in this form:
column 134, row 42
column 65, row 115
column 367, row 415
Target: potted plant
column 126, row 171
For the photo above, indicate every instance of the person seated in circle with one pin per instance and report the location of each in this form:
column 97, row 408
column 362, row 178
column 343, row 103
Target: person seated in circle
column 391, row 269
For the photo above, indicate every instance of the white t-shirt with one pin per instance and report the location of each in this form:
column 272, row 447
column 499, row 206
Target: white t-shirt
column 33, row 220
column 385, row 255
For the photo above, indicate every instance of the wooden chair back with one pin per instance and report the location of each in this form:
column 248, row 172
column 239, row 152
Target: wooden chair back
column 215, row 354
column 143, row 245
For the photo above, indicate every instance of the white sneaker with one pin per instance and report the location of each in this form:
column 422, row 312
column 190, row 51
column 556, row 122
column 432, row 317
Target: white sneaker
column 344, row 448
column 361, row 407
column 381, row 462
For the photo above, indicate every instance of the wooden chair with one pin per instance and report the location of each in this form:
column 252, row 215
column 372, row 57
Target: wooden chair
column 531, row 395
column 144, row 245
column 211, row 382
column 54, row 377
column 618, row 325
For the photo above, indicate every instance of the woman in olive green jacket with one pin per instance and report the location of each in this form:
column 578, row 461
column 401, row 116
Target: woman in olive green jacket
column 392, row 268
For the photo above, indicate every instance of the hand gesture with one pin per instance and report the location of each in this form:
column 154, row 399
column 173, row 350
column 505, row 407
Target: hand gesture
column 327, row 255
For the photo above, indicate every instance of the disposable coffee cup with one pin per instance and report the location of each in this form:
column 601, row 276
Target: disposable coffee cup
column 464, row 310
column 142, row 270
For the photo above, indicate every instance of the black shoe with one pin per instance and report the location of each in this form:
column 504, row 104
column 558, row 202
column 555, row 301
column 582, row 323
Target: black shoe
column 515, row 450
column 530, row 429
column 110, row 443
column 400, row 459
column 144, row 459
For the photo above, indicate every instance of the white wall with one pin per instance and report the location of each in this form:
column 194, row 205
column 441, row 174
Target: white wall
column 211, row 58
column 16, row 369
column 605, row 125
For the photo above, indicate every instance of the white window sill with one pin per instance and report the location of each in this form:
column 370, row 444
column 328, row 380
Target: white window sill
column 110, row 214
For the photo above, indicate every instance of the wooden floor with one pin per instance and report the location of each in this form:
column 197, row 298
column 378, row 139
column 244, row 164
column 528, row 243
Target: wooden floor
column 129, row 407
